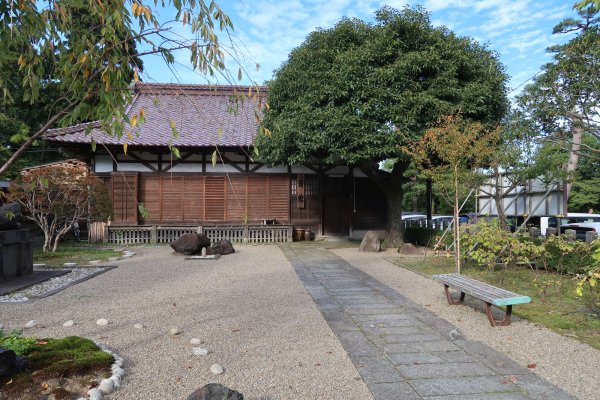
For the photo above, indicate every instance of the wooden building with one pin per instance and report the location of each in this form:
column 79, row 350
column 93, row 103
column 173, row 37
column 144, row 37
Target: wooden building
column 192, row 190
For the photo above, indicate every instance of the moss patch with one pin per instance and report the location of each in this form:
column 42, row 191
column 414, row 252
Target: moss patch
column 80, row 254
column 59, row 368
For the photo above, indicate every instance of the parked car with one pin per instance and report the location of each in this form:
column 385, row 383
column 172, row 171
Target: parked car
column 571, row 218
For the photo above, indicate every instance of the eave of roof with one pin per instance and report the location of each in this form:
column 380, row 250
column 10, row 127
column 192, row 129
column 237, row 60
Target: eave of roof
column 203, row 115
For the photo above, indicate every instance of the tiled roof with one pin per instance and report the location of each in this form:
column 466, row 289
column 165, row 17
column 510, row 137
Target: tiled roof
column 204, row 116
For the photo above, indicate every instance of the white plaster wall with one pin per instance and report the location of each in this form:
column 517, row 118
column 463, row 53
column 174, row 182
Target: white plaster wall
column 222, row 168
column 103, row 163
column 339, row 170
column 135, row 167
column 191, row 167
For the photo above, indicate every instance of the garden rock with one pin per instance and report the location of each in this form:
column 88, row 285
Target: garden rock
column 222, row 247
column 195, row 342
column 190, row 243
column 370, row 242
column 409, row 249
column 31, row 324
column 68, row 323
column 200, row 351
column 7, row 361
column 102, row 322
column 217, row 369
column 215, row 391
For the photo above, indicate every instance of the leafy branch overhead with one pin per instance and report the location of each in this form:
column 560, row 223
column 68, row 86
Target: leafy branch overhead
column 92, row 51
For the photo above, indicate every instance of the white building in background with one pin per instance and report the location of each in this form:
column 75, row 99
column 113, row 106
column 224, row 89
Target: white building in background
column 535, row 198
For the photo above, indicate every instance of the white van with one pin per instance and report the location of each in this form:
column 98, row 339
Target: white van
column 571, row 218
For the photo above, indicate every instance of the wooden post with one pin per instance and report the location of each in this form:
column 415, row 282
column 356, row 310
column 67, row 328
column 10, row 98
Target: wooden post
column 245, row 234
column 153, row 234
column 106, row 234
column 290, row 237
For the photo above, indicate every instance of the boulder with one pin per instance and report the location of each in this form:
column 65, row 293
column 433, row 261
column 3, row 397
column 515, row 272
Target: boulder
column 190, row 243
column 7, row 362
column 222, row 247
column 408, row 249
column 215, row 391
column 370, row 242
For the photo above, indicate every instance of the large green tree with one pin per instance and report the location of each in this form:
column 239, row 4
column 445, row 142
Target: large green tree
column 562, row 103
column 358, row 92
column 87, row 49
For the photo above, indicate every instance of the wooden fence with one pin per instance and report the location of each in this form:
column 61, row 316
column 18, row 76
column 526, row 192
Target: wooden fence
column 101, row 233
column 440, row 225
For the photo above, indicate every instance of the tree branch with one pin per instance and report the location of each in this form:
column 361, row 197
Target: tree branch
column 36, row 136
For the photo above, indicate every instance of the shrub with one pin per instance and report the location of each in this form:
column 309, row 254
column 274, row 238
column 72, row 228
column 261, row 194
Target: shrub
column 420, row 236
column 487, row 244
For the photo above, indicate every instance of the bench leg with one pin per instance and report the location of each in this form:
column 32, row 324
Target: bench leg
column 449, row 297
column 494, row 322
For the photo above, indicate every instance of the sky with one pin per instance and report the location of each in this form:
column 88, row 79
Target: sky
column 265, row 31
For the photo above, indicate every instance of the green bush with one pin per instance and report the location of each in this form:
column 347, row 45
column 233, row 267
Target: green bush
column 420, row 236
column 485, row 243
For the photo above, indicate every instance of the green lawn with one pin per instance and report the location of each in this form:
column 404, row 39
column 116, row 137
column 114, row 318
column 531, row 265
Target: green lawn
column 553, row 300
column 77, row 253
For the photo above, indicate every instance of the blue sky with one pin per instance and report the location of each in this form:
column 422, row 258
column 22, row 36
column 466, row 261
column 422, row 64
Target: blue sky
column 267, row 30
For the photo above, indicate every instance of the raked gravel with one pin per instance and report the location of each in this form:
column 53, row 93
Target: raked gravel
column 50, row 285
column 566, row 362
column 248, row 309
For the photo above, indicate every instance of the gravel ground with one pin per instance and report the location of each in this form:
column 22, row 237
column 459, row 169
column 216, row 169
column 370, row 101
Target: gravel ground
column 249, row 309
column 566, row 362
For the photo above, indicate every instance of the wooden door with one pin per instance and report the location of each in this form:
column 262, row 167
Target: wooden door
column 335, row 215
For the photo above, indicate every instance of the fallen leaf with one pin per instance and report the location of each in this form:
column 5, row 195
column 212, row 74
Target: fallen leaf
column 235, row 330
column 44, row 386
column 317, row 365
column 41, row 343
column 532, row 365
column 9, row 382
column 427, row 305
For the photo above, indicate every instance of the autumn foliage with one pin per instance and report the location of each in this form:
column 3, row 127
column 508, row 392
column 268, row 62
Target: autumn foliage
column 55, row 198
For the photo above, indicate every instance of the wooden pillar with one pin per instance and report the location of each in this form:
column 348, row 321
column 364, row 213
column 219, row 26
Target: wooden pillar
column 153, row 234
column 429, row 192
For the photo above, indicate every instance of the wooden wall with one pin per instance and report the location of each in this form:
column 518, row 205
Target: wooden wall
column 195, row 199
column 370, row 206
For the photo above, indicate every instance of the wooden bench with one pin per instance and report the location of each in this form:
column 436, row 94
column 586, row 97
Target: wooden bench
column 491, row 295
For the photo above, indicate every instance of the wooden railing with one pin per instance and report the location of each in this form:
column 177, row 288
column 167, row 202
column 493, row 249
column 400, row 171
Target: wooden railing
column 123, row 235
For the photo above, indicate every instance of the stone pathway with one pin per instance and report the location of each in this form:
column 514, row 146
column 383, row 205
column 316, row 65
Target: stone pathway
column 402, row 350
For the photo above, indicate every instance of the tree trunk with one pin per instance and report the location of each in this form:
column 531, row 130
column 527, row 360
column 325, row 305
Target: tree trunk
column 390, row 184
column 498, row 197
column 573, row 158
column 394, row 230
column 456, row 223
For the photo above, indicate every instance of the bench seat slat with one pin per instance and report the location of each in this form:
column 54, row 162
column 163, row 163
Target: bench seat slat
column 481, row 290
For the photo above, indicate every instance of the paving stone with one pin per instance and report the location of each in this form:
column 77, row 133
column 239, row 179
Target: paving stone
column 413, row 358
column 490, row 357
column 412, row 337
column 538, row 388
column 357, row 344
column 395, row 390
column 454, row 356
column 484, row 396
column 444, row 370
column 416, row 347
column 376, row 370
column 461, row 386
